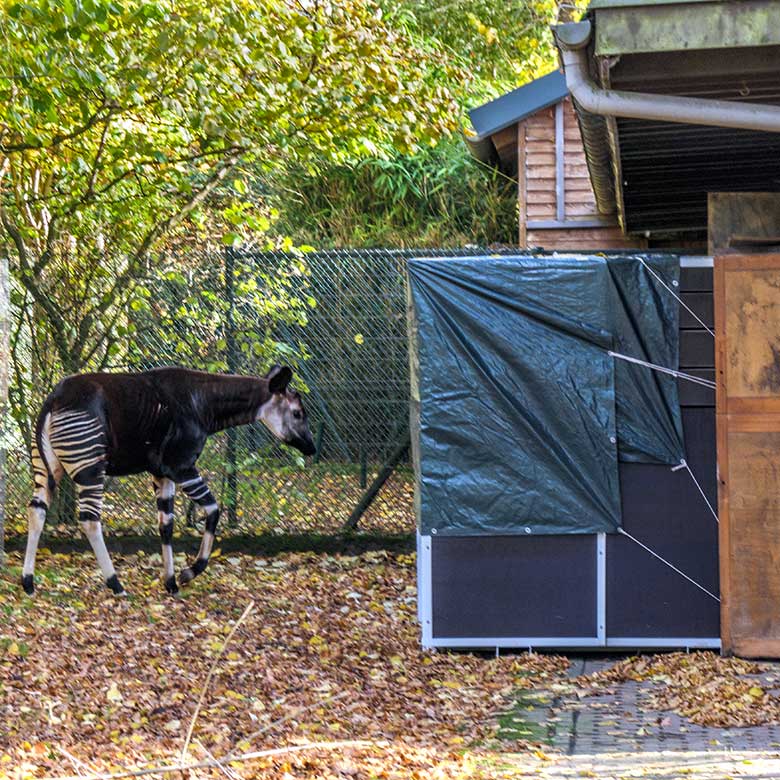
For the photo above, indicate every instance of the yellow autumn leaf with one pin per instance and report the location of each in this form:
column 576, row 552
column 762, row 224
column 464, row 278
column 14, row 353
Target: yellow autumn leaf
column 113, row 693
column 359, row 338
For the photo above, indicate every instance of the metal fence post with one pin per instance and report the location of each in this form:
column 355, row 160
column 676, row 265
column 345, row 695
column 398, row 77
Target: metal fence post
column 5, row 361
column 231, row 358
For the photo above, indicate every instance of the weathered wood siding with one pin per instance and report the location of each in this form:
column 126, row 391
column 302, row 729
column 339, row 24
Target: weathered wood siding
column 557, row 207
column 747, row 327
column 579, row 239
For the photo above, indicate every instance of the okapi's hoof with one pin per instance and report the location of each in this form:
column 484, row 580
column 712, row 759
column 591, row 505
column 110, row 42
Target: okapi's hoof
column 171, row 586
column 28, row 584
column 113, row 584
column 190, row 572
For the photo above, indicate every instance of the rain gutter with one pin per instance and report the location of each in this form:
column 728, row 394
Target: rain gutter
column 595, row 103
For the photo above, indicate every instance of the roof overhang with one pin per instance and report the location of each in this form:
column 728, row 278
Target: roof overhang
column 485, row 141
column 657, row 174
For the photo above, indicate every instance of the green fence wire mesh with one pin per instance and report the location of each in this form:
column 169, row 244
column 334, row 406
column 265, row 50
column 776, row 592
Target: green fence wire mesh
column 339, row 317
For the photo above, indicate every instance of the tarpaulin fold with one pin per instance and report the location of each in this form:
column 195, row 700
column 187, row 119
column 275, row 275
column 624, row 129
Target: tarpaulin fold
column 515, row 415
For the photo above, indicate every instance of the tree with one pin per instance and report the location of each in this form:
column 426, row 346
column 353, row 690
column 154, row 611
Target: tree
column 501, row 45
column 440, row 196
column 120, row 119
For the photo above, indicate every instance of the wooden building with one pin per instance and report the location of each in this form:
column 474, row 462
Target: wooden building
column 672, row 140
column 532, row 135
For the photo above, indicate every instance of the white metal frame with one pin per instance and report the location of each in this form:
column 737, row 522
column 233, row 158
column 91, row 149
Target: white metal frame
column 600, row 641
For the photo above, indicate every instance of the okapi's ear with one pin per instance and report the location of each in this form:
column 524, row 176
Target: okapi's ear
column 278, row 378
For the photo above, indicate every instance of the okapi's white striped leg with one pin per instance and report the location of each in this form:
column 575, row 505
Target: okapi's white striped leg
column 198, row 491
column 47, row 472
column 79, row 442
column 89, row 489
column 164, row 489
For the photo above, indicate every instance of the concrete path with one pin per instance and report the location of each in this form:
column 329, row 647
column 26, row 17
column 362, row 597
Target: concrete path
column 616, row 736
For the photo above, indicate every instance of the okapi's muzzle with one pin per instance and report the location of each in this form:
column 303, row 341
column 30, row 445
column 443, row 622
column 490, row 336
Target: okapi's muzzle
column 305, row 445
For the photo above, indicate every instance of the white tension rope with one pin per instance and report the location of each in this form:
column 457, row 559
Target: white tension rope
column 677, row 297
column 670, row 565
column 678, row 374
column 683, row 463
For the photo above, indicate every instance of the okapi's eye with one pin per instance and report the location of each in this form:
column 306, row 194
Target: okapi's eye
column 297, row 415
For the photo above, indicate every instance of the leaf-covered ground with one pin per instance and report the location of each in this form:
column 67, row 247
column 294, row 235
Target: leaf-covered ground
column 703, row 687
column 330, row 653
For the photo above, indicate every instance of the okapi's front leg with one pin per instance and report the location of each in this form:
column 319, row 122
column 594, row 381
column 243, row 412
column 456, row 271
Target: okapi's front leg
column 198, row 491
column 164, row 490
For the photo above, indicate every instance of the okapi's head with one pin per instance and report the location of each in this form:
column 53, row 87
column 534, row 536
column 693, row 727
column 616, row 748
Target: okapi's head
column 283, row 413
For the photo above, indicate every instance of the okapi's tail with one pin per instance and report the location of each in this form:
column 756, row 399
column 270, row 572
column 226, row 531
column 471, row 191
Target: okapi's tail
column 44, row 475
column 43, row 470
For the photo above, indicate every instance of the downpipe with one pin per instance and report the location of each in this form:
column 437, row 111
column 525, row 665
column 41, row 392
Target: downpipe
column 573, row 39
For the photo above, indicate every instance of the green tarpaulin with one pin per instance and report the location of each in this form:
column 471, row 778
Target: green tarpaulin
column 519, row 412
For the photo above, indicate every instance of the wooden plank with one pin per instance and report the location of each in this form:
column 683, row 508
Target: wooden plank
column 581, row 210
column 750, row 406
column 719, row 298
column 724, row 533
column 560, row 177
column 582, row 239
column 541, row 185
column 579, row 184
column 742, row 215
column 522, row 192
column 579, row 196
column 541, row 172
column 536, row 146
column 747, row 354
column 756, row 648
column 537, row 159
column 540, row 210
column 752, row 327
column 541, row 196
column 752, row 422
column 754, row 524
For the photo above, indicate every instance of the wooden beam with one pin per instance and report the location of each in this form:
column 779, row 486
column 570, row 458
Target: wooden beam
column 560, row 177
column 522, row 186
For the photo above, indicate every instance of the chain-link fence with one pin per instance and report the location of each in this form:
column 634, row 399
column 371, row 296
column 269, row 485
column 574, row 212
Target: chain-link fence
column 339, row 317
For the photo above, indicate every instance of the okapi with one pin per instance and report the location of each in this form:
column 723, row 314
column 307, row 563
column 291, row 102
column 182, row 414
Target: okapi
column 94, row 425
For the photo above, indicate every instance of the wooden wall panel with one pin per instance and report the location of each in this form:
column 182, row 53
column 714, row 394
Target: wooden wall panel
column 582, row 239
column 540, row 164
column 538, row 194
column 747, row 327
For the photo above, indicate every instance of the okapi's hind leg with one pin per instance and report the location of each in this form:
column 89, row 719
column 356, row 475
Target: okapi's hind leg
column 198, row 491
column 79, row 442
column 89, row 488
column 164, row 490
column 47, row 473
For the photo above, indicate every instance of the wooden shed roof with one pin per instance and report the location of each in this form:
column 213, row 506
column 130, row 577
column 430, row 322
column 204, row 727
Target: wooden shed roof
column 491, row 118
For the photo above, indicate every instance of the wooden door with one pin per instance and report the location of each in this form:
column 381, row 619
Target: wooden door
column 747, row 324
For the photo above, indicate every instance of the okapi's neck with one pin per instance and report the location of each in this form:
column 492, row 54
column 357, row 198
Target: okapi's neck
column 229, row 400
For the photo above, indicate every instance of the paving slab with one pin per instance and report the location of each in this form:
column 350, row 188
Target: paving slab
column 616, row 735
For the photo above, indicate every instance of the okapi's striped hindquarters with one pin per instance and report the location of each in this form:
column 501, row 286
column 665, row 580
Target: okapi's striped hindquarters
column 74, row 442
column 158, row 422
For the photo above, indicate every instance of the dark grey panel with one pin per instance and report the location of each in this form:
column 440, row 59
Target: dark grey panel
column 519, row 103
column 695, row 279
column 702, row 305
column 692, row 394
column 697, row 349
column 498, row 586
column 664, row 510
